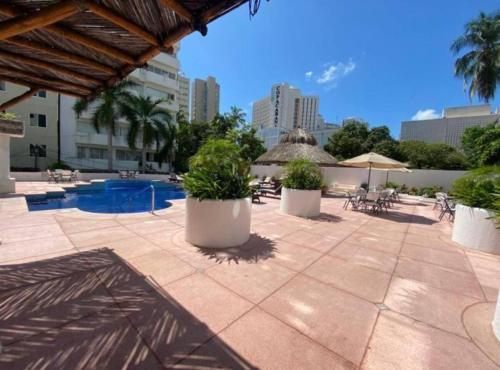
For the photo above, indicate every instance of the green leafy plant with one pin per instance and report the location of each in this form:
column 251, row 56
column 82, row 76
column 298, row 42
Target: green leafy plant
column 478, row 188
column 7, row 116
column 218, row 172
column 430, row 191
column 58, row 166
column 392, row 185
column 303, row 174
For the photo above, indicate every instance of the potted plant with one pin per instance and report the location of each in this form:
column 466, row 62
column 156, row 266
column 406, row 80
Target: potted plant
column 301, row 193
column 476, row 214
column 218, row 205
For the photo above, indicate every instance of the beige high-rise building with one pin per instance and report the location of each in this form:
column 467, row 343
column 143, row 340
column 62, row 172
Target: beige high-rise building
column 184, row 95
column 39, row 146
column 205, row 97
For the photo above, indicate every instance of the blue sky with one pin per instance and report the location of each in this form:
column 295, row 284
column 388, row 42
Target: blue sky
column 382, row 61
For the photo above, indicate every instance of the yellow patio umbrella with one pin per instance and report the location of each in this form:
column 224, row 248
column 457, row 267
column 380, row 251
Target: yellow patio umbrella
column 372, row 160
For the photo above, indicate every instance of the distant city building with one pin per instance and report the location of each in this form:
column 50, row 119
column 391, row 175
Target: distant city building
column 450, row 128
column 285, row 109
column 205, row 98
column 184, row 95
column 82, row 147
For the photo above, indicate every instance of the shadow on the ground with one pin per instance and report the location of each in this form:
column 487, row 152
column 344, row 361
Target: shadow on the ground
column 257, row 248
column 91, row 310
column 393, row 215
column 327, row 217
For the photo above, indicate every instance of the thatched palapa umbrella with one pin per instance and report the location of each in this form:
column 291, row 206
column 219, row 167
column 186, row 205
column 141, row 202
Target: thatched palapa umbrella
column 297, row 144
column 372, row 160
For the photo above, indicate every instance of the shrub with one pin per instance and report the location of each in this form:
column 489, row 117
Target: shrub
column 302, row 174
column 392, row 185
column 478, row 188
column 364, row 185
column 218, row 172
column 58, row 166
column 430, row 191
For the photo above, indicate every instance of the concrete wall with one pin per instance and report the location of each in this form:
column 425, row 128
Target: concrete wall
column 42, row 176
column 356, row 176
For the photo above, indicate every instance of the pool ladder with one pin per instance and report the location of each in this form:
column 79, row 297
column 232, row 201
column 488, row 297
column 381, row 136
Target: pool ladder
column 153, row 195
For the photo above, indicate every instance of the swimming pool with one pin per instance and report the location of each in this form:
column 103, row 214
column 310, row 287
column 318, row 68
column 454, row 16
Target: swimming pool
column 110, row 196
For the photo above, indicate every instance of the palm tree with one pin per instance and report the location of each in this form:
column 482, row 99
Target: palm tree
column 480, row 66
column 151, row 124
column 107, row 112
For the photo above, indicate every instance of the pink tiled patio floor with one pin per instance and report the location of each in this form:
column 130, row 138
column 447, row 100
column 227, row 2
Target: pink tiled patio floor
column 345, row 290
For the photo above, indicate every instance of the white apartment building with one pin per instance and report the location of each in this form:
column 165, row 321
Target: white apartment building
column 284, row 110
column 82, row 147
column 184, row 89
column 450, row 127
column 205, row 99
column 39, row 146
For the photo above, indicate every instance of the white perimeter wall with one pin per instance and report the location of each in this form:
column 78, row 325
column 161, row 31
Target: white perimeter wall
column 42, row 176
column 356, row 176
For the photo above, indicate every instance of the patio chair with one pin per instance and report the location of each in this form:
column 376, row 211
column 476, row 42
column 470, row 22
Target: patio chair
column 65, row 175
column 255, row 196
column 52, row 176
column 448, row 207
column 123, row 174
column 74, row 175
column 267, row 182
column 440, row 200
column 133, row 175
column 372, row 201
column 355, row 200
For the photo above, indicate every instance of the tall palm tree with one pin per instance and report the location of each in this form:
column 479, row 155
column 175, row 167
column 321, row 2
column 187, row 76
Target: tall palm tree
column 480, row 66
column 150, row 124
column 107, row 111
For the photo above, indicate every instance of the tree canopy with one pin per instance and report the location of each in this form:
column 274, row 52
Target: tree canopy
column 481, row 145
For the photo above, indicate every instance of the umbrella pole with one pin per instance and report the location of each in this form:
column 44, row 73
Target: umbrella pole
column 369, row 175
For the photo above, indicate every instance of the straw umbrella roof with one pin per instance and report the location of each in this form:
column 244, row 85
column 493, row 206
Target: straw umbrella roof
column 77, row 47
column 372, row 160
column 297, row 144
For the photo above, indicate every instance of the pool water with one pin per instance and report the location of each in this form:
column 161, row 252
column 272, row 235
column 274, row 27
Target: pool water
column 112, row 196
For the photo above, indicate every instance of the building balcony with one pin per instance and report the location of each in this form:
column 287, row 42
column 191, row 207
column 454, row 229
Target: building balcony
column 145, row 77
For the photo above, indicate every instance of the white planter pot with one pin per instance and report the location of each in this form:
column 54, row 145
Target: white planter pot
column 472, row 229
column 218, row 223
column 303, row 203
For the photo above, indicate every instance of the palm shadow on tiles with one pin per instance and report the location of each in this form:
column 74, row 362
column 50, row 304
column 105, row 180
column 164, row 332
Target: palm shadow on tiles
column 69, row 313
column 257, row 248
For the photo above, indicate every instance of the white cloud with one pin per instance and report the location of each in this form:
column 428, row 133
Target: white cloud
column 334, row 72
column 425, row 114
column 309, row 75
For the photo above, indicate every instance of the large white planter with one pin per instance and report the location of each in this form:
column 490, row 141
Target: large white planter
column 303, row 203
column 218, row 223
column 473, row 229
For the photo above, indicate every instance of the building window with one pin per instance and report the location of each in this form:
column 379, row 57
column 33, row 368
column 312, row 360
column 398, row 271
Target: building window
column 41, row 94
column 2, row 85
column 38, row 150
column 126, row 155
column 81, row 152
column 38, row 120
column 98, row 153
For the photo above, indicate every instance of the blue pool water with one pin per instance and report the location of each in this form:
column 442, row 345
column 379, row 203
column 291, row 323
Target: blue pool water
column 112, row 196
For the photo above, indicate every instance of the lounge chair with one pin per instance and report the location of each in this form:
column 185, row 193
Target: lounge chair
column 255, row 196
column 173, row 177
column 270, row 191
column 133, row 175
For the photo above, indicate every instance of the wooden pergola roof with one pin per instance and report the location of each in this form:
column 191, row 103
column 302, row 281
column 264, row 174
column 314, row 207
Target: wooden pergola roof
column 77, row 47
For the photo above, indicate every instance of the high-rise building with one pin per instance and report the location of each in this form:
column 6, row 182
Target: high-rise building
column 284, row 110
column 39, row 146
column 450, row 127
column 83, row 147
column 184, row 95
column 205, row 97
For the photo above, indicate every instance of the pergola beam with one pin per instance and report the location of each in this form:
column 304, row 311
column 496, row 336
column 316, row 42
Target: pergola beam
column 41, row 86
column 179, row 9
column 28, row 22
column 119, row 21
column 74, row 36
column 18, row 58
column 14, row 71
column 61, row 54
column 18, row 99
